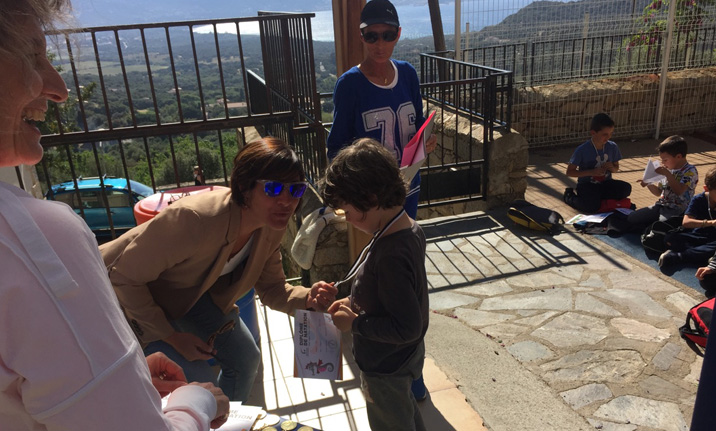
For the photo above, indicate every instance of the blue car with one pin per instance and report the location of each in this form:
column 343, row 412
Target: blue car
column 88, row 199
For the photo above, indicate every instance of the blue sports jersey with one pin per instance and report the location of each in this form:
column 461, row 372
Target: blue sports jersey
column 390, row 114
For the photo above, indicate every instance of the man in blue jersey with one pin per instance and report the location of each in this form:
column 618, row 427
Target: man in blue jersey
column 379, row 98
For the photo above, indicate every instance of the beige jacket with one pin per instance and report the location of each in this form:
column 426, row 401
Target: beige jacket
column 161, row 268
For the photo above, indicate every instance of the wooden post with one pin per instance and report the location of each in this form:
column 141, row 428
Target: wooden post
column 349, row 52
column 346, row 22
column 438, row 36
column 437, row 23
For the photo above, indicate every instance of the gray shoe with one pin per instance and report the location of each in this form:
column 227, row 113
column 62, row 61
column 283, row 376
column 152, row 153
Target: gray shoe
column 669, row 258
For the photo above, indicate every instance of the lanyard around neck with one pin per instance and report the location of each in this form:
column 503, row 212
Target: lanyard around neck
column 360, row 261
column 595, row 147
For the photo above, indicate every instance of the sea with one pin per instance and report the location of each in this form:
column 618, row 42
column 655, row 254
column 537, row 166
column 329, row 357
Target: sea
column 414, row 20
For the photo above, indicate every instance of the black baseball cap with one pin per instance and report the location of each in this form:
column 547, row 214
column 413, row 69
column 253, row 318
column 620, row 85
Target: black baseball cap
column 379, row 12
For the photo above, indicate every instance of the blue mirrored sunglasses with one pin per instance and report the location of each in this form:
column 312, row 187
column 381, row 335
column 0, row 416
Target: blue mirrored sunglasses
column 274, row 188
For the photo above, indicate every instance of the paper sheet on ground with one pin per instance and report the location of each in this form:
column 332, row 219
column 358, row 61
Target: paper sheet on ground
column 241, row 417
column 588, row 218
column 316, row 346
column 650, row 175
column 414, row 153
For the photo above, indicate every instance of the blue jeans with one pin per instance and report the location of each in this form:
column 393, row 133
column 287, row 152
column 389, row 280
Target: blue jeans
column 236, row 351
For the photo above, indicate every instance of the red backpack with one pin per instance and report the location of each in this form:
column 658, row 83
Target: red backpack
column 612, row 204
column 698, row 320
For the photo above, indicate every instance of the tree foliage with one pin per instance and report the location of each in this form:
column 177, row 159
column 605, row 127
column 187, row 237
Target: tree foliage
column 689, row 17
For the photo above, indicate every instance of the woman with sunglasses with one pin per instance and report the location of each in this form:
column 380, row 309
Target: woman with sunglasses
column 379, row 98
column 179, row 275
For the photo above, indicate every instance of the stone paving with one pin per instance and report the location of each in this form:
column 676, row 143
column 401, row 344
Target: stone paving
column 597, row 326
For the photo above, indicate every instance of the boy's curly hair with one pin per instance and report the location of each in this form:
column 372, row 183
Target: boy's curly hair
column 364, row 175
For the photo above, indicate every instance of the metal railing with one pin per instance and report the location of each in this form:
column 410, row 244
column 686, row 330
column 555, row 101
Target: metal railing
column 474, row 97
column 149, row 101
column 489, row 88
column 547, row 61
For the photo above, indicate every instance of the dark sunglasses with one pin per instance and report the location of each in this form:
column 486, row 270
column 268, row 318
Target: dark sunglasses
column 226, row 327
column 274, row 188
column 387, row 36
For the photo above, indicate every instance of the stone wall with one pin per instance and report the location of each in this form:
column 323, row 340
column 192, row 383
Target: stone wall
column 507, row 160
column 560, row 113
column 330, row 261
column 508, row 156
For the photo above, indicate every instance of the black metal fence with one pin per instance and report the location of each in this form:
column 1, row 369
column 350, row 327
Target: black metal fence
column 474, row 100
column 150, row 101
column 548, row 61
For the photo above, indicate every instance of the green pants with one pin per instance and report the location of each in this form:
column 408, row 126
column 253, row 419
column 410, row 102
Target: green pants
column 390, row 403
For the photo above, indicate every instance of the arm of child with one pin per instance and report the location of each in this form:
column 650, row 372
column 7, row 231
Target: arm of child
column 573, row 172
column 676, row 186
column 612, row 167
column 693, row 223
column 702, row 271
column 654, row 189
column 342, row 314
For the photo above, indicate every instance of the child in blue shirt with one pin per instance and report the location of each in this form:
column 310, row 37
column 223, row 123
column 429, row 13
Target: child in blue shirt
column 593, row 164
column 697, row 242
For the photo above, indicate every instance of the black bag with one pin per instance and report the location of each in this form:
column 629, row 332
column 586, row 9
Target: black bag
column 698, row 321
column 654, row 237
column 534, row 217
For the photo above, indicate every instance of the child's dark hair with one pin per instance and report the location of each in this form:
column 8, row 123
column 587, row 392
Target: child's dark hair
column 710, row 179
column 673, row 145
column 364, row 175
column 601, row 121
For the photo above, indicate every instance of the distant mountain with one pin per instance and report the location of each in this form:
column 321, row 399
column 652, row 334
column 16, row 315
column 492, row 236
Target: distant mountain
column 92, row 13
column 555, row 20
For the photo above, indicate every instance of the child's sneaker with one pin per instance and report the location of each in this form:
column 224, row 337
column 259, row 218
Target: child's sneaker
column 569, row 196
column 669, row 258
column 420, row 392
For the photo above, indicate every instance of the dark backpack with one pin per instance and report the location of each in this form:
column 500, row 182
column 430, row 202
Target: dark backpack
column 698, row 321
column 654, row 237
column 534, row 217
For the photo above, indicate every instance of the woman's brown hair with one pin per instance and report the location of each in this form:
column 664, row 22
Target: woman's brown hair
column 268, row 158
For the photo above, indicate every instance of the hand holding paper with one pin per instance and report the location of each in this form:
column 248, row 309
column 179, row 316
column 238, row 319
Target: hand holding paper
column 650, row 175
column 414, row 153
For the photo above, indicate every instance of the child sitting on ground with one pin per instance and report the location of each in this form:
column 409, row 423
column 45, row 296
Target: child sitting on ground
column 675, row 191
column 593, row 163
column 387, row 311
column 698, row 243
